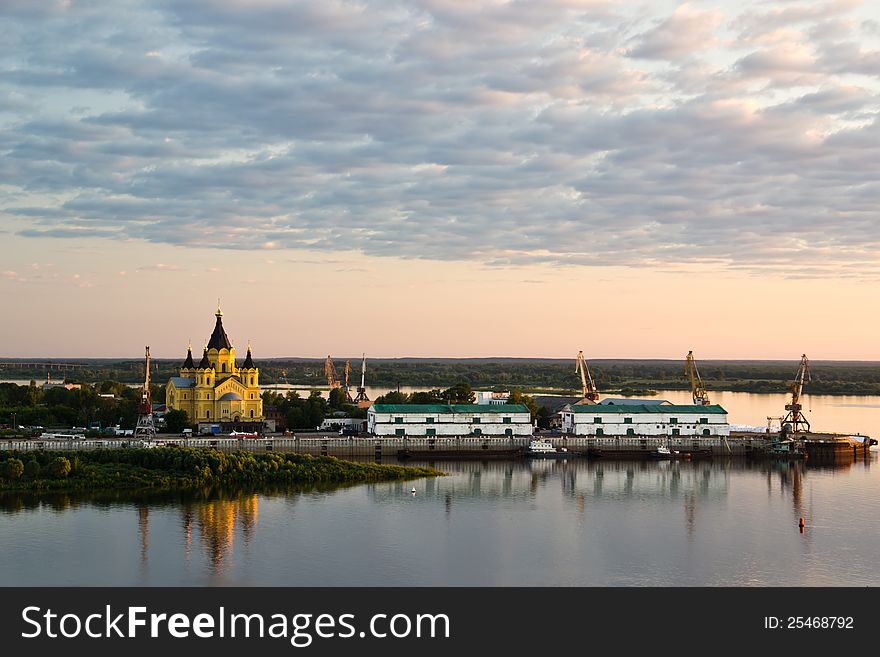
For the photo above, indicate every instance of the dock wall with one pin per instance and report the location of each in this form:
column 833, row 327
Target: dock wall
column 388, row 445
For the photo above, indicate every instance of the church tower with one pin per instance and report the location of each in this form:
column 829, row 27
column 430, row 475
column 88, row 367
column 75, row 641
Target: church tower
column 221, row 353
column 216, row 390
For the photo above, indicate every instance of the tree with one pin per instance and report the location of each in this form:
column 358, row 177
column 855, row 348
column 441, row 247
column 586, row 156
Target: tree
column 337, row 398
column 517, row 397
column 460, row 393
column 432, row 397
column 59, row 467
column 176, row 420
column 393, row 397
column 13, row 469
column 32, row 469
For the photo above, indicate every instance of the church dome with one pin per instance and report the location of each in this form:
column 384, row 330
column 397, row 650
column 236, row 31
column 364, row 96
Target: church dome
column 219, row 340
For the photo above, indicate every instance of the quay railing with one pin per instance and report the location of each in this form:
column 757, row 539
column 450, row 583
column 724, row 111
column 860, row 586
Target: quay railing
column 390, row 445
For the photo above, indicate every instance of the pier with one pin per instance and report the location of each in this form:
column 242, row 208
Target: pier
column 818, row 446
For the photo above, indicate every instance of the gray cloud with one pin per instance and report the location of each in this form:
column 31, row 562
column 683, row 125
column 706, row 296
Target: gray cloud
column 513, row 133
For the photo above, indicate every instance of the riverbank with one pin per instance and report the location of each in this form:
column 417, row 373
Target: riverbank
column 180, row 468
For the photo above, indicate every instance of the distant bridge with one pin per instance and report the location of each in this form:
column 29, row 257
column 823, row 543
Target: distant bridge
column 40, row 364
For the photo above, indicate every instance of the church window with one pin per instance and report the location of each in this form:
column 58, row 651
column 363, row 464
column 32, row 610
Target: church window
column 252, row 380
column 207, row 413
column 252, row 413
column 224, row 367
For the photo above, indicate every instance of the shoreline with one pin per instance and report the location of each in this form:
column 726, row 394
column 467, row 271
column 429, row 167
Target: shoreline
column 182, row 469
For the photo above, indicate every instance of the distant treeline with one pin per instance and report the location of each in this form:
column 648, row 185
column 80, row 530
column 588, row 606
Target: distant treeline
column 829, row 377
column 183, row 468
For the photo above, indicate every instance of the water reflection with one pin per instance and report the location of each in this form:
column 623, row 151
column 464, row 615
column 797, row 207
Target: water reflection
column 215, row 520
column 682, row 513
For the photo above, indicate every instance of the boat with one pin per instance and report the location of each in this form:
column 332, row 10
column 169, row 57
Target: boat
column 665, row 452
column 544, row 449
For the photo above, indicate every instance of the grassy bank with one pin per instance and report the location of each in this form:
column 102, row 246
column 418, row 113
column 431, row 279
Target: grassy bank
column 174, row 468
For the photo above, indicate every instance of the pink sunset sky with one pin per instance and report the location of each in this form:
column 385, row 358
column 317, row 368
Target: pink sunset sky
column 441, row 178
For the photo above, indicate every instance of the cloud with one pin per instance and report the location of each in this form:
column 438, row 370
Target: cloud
column 685, row 32
column 160, row 267
column 507, row 133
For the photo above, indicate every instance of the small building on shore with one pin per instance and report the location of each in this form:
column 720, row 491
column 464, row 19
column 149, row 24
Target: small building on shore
column 644, row 420
column 496, row 420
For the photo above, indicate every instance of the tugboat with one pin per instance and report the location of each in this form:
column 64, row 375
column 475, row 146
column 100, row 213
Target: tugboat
column 543, row 449
column 664, row 452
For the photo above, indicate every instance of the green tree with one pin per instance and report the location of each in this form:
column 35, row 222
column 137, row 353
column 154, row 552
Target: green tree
column 59, row 467
column 176, row 420
column 337, row 398
column 517, row 397
column 432, row 397
column 460, row 393
column 32, row 469
column 393, row 397
column 13, row 469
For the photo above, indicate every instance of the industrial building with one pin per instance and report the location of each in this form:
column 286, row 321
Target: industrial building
column 645, row 420
column 497, row 420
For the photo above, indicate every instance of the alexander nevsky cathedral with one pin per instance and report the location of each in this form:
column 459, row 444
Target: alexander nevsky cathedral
column 217, row 390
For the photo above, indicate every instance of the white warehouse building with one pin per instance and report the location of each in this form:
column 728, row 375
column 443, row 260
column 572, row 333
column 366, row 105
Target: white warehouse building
column 497, row 420
column 645, row 420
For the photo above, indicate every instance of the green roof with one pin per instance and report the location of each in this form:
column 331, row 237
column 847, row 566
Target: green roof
column 428, row 409
column 666, row 409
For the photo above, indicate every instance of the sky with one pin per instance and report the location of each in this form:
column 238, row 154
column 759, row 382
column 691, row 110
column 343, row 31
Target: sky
column 441, row 177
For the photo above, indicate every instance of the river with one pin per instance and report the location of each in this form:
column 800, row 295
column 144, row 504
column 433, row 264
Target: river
column 553, row 523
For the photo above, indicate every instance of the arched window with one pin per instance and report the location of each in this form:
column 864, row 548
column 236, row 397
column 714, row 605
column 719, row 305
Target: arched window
column 252, row 380
column 207, row 413
column 224, row 367
column 252, row 412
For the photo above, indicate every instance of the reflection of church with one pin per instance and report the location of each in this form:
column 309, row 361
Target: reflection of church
column 216, row 521
column 217, row 390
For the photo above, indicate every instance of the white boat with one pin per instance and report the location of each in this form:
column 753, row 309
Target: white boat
column 540, row 448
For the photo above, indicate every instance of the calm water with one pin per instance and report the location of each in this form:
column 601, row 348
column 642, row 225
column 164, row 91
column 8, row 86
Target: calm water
column 552, row 523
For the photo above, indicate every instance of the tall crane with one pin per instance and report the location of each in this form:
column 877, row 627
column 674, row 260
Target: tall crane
column 698, row 390
column 345, row 387
column 330, row 373
column 587, row 385
column 145, row 429
column 362, row 399
column 795, row 417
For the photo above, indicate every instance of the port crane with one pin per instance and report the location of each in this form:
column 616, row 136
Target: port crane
column 345, row 387
column 362, row 399
column 698, row 390
column 145, row 429
column 330, row 373
column 587, row 384
column 795, row 419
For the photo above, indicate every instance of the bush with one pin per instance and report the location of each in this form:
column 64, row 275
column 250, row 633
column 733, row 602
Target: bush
column 59, row 467
column 12, row 469
column 32, row 469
